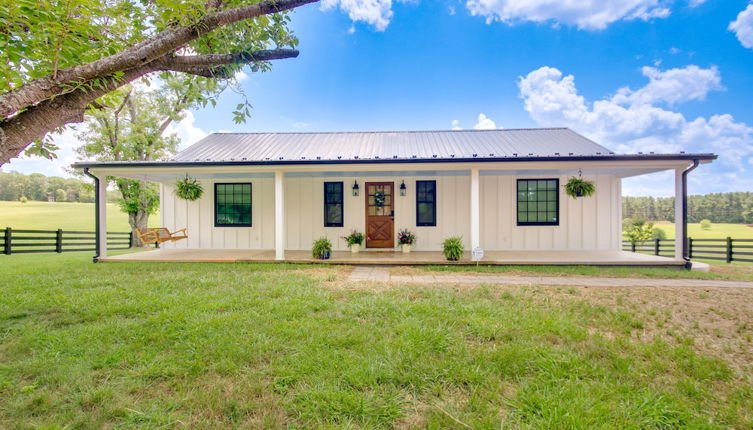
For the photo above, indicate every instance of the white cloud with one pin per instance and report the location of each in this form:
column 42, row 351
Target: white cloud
column 240, row 76
column 743, row 27
column 66, row 141
column 484, row 123
column 672, row 86
column 374, row 12
column 629, row 123
column 186, row 131
column 584, row 14
column 456, row 125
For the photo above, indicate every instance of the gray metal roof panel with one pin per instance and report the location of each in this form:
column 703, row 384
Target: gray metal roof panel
column 344, row 146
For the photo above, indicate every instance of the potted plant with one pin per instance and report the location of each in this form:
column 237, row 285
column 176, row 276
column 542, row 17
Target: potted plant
column 406, row 239
column 322, row 248
column 188, row 189
column 577, row 187
column 354, row 240
column 453, row 248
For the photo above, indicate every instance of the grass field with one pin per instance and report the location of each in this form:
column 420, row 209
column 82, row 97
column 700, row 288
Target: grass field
column 68, row 216
column 717, row 231
column 118, row 345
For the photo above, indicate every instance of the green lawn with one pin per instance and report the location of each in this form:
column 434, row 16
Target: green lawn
column 119, row 345
column 717, row 231
column 721, row 271
column 68, row 216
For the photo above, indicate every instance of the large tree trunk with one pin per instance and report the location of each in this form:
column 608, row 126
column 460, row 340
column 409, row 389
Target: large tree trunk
column 138, row 219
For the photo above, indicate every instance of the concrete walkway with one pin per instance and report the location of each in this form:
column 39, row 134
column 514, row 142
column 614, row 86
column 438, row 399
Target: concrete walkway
column 382, row 274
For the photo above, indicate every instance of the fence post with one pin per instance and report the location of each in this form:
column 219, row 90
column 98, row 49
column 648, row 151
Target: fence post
column 729, row 249
column 632, row 246
column 690, row 247
column 8, row 232
column 59, row 241
column 656, row 246
column 130, row 239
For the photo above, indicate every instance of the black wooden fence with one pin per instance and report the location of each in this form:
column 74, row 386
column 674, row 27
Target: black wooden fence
column 26, row 241
column 727, row 249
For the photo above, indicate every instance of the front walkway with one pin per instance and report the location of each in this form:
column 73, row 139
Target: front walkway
column 382, row 274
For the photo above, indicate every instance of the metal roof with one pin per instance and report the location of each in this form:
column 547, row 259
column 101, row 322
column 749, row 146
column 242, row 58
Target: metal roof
column 377, row 147
column 394, row 145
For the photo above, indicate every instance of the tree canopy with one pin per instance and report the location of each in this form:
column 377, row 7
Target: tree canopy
column 61, row 58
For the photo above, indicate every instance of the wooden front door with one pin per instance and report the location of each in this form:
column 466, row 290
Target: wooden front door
column 380, row 215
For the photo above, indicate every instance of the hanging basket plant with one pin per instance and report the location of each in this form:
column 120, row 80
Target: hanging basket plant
column 188, row 189
column 577, row 187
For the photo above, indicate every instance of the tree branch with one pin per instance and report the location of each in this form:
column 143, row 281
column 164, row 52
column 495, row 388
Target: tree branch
column 163, row 43
column 211, row 65
column 34, row 123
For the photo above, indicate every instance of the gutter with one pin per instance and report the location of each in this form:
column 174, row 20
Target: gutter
column 685, row 250
column 292, row 162
column 96, row 214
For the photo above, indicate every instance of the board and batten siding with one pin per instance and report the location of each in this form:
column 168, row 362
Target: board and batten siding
column 591, row 223
column 588, row 223
column 198, row 218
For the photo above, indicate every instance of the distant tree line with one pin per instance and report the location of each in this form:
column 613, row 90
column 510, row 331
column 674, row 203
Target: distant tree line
column 16, row 186
column 734, row 207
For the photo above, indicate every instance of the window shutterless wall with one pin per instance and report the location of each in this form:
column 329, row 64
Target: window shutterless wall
column 589, row 223
column 198, row 217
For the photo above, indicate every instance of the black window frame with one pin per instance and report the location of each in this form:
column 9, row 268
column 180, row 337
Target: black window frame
column 433, row 223
column 250, row 205
column 517, row 203
column 341, row 203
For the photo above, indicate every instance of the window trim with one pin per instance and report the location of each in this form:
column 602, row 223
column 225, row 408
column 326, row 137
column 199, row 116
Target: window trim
column 342, row 204
column 251, row 208
column 517, row 203
column 434, row 203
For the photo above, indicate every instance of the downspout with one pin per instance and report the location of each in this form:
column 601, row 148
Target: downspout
column 685, row 250
column 96, row 213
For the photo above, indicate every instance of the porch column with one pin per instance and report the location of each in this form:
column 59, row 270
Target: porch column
column 679, row 230
column 279, row 216
column 102, row 215
column 475, row 210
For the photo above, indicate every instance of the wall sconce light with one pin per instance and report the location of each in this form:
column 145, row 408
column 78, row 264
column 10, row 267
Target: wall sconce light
column 403, row 189
column 355, row 189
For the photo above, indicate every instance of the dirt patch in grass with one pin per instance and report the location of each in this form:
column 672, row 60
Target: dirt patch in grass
column 714, row 321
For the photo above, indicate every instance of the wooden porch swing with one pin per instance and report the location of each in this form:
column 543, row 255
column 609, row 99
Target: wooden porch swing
column 159, row 235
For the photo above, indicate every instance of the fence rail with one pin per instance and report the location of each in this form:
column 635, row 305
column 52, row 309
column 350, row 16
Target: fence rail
column 28, row 241
column 727, row 249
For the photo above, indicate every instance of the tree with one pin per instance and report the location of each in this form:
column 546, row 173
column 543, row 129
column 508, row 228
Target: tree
column 61, row 58
column 705, row 224
column 637, row 230
column 135, row 130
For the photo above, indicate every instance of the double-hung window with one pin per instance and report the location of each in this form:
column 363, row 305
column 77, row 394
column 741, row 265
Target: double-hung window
column 538, row 202
column 333, row 204
column 426, row 203
column 232, row 205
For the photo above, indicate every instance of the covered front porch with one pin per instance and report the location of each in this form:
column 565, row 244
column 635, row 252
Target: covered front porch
column 476, row 202
column 561, row 258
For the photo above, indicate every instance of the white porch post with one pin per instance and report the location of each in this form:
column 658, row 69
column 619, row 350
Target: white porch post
column 678, row 214
column 279, row 216
column 102, row 215
column 475, row 210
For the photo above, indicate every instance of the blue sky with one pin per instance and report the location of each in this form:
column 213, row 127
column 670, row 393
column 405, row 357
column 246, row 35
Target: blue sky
column 635, row 75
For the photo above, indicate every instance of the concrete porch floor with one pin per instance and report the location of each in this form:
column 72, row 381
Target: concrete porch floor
column 591, row 258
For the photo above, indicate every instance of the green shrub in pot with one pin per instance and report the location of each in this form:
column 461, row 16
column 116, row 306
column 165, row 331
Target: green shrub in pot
column 453, row 248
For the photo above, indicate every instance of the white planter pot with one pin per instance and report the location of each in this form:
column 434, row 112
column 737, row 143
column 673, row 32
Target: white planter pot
column 355, row 248
column 406, row 248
